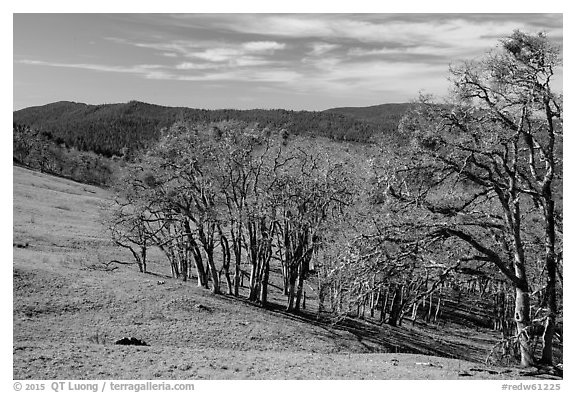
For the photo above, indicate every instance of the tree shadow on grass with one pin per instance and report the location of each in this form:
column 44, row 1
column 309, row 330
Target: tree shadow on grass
column 158, row 275
column 425, row 340
column 418, row 340
column 452, row 341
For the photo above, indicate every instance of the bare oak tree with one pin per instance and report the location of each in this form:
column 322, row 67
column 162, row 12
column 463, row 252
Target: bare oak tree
column 483, row 177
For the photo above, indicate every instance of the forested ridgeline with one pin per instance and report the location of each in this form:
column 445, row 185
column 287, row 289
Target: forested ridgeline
column 388, row 115
column 119, row 129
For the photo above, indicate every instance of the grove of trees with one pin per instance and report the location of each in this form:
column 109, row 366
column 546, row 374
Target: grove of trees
column 233, row 187
column 484, row 178
column 474, row 196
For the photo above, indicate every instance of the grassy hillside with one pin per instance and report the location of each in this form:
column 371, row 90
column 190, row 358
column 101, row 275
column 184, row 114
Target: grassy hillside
column 68, row 310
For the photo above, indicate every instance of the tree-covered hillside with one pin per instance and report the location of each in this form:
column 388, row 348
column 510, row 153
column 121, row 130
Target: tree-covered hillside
column 111, row 129
column 386, row 115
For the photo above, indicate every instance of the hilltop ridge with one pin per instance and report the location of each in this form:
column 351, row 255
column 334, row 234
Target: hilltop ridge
column 107, row 129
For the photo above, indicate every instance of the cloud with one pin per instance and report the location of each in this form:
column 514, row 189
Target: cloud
column 160, row 72
column 417, row 55
column 378, row 76
column 375, row 27
column 230, row 52
column 320, row 48
column 317, row 26
column 194, row 66
column 455, row 33
column 216, row 54
column 270, row 76
column 262, row 46
column 143, row 69
column 212, row 54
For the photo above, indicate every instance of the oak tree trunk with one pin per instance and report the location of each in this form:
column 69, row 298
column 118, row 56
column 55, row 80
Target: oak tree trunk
column 522, row 319
column 551, row 301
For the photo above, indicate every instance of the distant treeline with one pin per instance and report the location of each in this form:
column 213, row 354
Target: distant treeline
column 386, row 115
column 41, row 151
column 120, row 129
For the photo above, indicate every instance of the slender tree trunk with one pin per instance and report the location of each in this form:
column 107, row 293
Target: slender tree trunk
column 174, row 263
column 199, row 264
column 264, row 283
column 265, row 276
column 237, row 246
column 384, row 306
column 438, row 307
column 182, row 255
column 213, row 271
column 291, row 293
column 225, row 259
column 300, row 286
column 321, row 295
column 206, row 235
column 415, row 307
column 253, row 255
column 551, row 301
column 237, row 270
column 430, row 306
column 286, row 279
column 253, row 280
column 143, row 250
column 396, row 309
column 197, row 255
column 229, row 285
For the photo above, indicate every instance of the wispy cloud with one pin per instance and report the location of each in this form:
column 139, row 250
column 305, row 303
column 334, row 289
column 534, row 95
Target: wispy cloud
column 146, row 70
column 236, row 53
column 161, row 72
column 320, row 48
column 272, row 76
column 204, row 55
column 262, row 46
column 393, row 28
column 194, row 66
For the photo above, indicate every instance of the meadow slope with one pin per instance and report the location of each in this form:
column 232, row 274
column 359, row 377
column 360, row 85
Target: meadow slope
column 68, row 311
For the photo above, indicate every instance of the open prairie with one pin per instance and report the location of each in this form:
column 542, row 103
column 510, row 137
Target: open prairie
column 69, row 310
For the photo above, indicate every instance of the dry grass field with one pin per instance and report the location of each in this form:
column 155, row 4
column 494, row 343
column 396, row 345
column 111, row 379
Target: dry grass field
column 67, row 313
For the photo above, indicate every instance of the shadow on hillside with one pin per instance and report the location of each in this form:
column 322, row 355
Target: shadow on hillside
column 419, row 340
column 159, row 275
column 451, row 341
column 425, row 340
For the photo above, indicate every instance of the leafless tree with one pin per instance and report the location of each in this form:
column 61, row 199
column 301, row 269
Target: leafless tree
column 483, row 178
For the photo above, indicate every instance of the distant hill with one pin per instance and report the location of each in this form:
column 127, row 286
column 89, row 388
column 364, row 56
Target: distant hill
column 109, row 129
column 385, row 114
column 104, row 129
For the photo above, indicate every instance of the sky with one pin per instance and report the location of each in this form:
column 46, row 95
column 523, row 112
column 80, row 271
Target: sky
column 243, row 61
